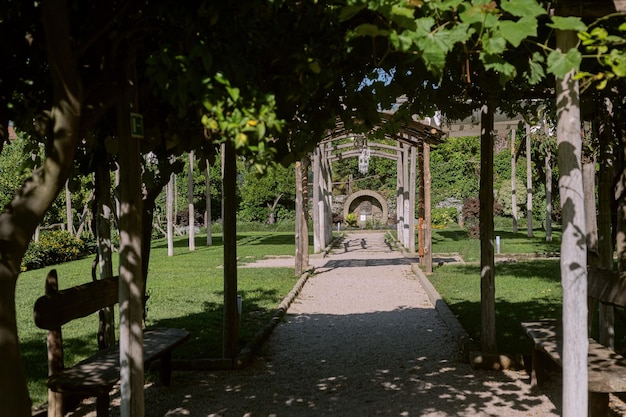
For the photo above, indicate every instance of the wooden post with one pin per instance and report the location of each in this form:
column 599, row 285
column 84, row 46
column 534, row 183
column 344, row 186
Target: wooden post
column 513, row 183
column 400, row 194
column 529, row 186
column 428, row 231
column 102, row 180
column 55, row 351
column 229, row 204
column 548, row 186
column 191, row 218
column 573, row 245
column 169, row 197
column 317, row 243
column 421, row 211
column 207, row 199
column 406, row 200
column 302, row 232
column 487, row 267
column 131, row 289
column 412, row 189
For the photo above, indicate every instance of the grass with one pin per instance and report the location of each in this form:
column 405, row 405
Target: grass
column 455, row 240
column 525, row 290
column 185, row 291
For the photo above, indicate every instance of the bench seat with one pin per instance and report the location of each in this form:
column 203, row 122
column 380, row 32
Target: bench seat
column 606, row 369
column 98, row 374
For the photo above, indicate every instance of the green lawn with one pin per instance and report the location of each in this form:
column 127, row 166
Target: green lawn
column 185, row 291
column 525, row 289
column 454, row 240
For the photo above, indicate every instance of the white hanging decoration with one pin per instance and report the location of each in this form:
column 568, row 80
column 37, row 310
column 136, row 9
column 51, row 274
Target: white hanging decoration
column 364, row 160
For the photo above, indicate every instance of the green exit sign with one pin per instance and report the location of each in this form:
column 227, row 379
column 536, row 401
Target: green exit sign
column 136, row 125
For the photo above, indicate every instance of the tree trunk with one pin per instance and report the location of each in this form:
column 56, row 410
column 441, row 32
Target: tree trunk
column 207, row 210
column 103, row 210
column 22, row 215
column 513, row 183
column 605, row 197
column 548, row 186
column 131, row 278
column 487, row 267
column 573, row 245
column 68, row 208
column 192, row 212
column 229, row 205
column 170, row 214
column 302, row 230
column 529, row 186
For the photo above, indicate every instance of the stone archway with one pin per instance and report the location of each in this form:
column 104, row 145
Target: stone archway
column 368, row 206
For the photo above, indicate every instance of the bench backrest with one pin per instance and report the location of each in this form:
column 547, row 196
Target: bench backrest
column 608, row 287
column 56, row 308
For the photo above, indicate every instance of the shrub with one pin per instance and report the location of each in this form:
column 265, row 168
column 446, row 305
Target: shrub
column 351, row 219
column 54, row 247
column 471, row 213
column 441, row 217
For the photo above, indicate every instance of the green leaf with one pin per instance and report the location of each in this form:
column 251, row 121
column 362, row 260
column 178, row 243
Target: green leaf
column 617, row 61
column 536, row 72
column 522, row 8
column 368, row 29
column 516, row 32
column 233, row 92
column 349, row 12
column 403, row 16
column 567, row 23
column 494, row 45
column 402, row 41
column 505, row 70
column 560, row 64
column 460, row 33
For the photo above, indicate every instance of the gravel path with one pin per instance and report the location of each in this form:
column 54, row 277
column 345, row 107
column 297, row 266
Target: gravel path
column 361, row 339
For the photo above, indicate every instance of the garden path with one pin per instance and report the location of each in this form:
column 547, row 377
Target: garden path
column 361, row 339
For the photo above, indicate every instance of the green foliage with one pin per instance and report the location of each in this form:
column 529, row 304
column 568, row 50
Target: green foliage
column 504, row 196
column 12, row 169
column 455, row 169
column 351, row 220
column 54, row 247
column 444, row 216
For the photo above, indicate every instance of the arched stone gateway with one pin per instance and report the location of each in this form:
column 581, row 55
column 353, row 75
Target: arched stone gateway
column 369, row 206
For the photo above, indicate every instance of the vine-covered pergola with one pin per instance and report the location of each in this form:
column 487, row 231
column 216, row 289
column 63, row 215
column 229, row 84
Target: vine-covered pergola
column 411, row 152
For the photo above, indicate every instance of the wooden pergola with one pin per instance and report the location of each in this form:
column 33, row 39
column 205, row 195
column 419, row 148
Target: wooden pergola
column 412, row 154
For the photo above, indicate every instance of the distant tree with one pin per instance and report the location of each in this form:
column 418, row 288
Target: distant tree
column 263, row 195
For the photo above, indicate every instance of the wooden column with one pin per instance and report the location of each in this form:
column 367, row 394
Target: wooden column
column 428, row 228
column 302, row 229
column 169, row 209
column 573, row 247
column 421, row 214
column 191, row 217
column 400, row 195
column 529, row 186
column 207, row 209
column 131, row 289
column 487, row 267
column 412, row 189
column 317, row 239
column 407, row 197
column 513, row 182
column 229, row 204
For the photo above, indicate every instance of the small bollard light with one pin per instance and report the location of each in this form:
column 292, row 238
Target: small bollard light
column 498, row 245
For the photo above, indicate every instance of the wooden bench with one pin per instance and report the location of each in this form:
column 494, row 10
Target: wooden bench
column 606, row 369
column 96, row 375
